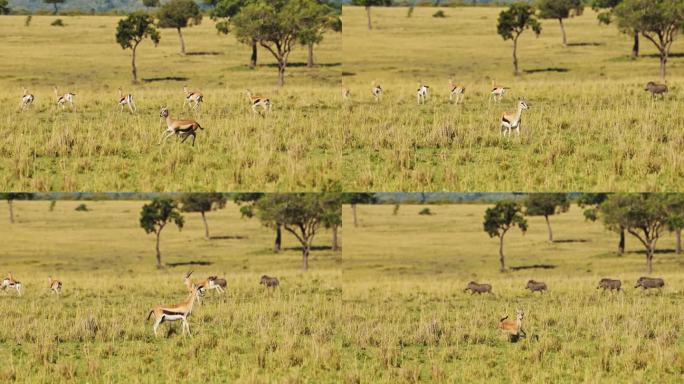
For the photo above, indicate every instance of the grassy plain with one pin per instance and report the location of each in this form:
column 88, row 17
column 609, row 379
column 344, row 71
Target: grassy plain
column 407, row 319
column 97, row 148
column 97, row 332
column 590, row 126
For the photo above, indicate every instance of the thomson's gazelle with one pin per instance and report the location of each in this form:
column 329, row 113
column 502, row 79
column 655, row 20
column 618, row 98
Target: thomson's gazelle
column 213, row 282
column 55, row 285
column 182, row 128
column 64, row 98
column 511, row 121
column 422, row 93
column 258, row 101
column 346, row 94
column 456, row 92
column 192, row 97
column 9, row 282
column 376, row 91
column 26, row 100
column 126, row 100
column 513, row 328
column 497, row 92
column 175, row 312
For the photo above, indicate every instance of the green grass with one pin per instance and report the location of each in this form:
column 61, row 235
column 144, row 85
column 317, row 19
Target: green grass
column 407, row 319
column 592, row 127
column 97, row 148
column 96, row 330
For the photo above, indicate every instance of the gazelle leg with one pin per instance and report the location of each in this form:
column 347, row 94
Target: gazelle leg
column 155, row 327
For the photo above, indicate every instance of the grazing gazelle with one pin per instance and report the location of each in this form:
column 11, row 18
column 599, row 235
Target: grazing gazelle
column 258, row 101
column 182, row 128
column 9, row 282
column 192, row 97
column 422, row 93
column 513, row 328
column 55, row 285
column 376, row 91
column 126, row 100
column 510, row 121
column 497, row 92
column 456, row 91
column 64, row 98
column 26, row 100
column 175, row 312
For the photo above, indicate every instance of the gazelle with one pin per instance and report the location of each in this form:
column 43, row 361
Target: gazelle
column 55, row 285
column 456, row 92
column 258, row 101
column 422, row 93
column 26, row 100
column 376, row 91
column 192, row 98
column 497, row 92
column 175, row 312
column 126, row 100
column 212, row 282
column 513, row 327
column 9, row 282
column 510, row 121
column 346, row 94
column 182, row 128
column 64, row 98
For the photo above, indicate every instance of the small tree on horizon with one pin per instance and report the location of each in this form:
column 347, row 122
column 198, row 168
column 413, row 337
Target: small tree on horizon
column 54, row 4
column 4, row 7
column 150, row 3
column 546, row 204
column 131, row 31
column 355, row 198
column 222, row 12
column 10, row 197
column 202, row 203
column 156, row 215
column 179, row 14
column 513, row 22
column 591, row 203
column 367, row 4
column 499, row 219
column 559, row 10
column 605, row 9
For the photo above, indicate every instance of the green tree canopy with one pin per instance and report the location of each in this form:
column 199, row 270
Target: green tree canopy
column 179, row 14
column 150, row 3
column 156, row 215
column 559, row 10
column 223, row 11
column 202, row 203
column 513, row 22
column 4, row 7
column 317, row 19
column 546, row 204
column 131, row 31
column 499, row 219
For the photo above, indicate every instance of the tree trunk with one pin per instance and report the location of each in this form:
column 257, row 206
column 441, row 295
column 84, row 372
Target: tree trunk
column 182, row 43
column 621, row 244
column 678, row 237
column 663, row 63
column 649, row 258
column 158, row 251
column 11, row 211
column 305, row 257
column 281, row 73
column 635, row 47
column 56, row 10
column 548, row 225
column 134, row 71
column 565, row 40
column 253, row 59
column 368, row 9
column 310, row 58
column 515, row 57
column 501, row 254
column 335, row 245
column 356, row 222
column 278, row 239
column 206, row 226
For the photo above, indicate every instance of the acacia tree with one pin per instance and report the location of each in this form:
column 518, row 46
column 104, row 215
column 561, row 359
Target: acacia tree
column 605, row 16
column 354, row 198
column 546, row 204
column 150, row 3
column 4, row 7
column 675, row 222
column 658, row 21
column 513, row 22
column 559, row 10
column 202, row 203
column 318, row 18
column 499, row 219
column 367, row 4
column 54, row 4
column 247, row 203
column 131, row 31
column 591, row 202
column 156, row 215
column 179, row 14
column 10, row 197
column 223, row 11
column 644, row 216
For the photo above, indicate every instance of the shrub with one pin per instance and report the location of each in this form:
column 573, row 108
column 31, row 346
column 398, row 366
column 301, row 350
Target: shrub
column 57, row 23
column 425, row 211
column 439, row 13
column 82, row 208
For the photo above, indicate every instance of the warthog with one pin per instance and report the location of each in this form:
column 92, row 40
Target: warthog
column 649, row 282
column 536, row 286
column 269, row 282
column 611, row 284
column 478, row 288
column 656, row 89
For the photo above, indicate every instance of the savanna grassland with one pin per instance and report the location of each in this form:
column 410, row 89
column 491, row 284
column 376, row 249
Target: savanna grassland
column 97, row 148
column 590, row 126
column 407, row 319
column 96, row 330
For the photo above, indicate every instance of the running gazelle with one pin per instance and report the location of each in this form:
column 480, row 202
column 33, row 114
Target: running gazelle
column 497, row 92
column 55, row 285
column 422, row 93
column 175, row 312
column 513, row 327
column 10, row 282
column 510, row 121
column 456, row 92
column 192, row 98
column 346, row 94
column 376, row 90
column 64, row 98
column 182, row 128
column 26, row 100
column 212, row 282
column 258, row 101
column 126, row 100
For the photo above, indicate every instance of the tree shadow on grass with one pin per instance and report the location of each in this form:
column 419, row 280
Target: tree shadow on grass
column 657, row 56
column 167, row 78
column 298, row 64
column 203, row 53
column 313, row 248
column 561, row 241
column 532, row 266
column 236, row 237
column 185, row 263
column 586, row 44
column 549, row 69
column 657, row 251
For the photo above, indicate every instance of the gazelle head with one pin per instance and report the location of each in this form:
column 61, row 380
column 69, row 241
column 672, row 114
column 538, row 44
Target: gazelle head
column 186, row 277
column 519, row 314
column 54, row 88
column 248, row 93
column 164, row 112
column 522, row 104
column 185, row 89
